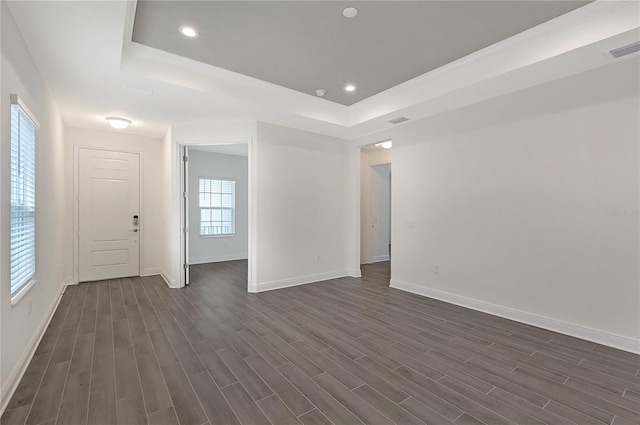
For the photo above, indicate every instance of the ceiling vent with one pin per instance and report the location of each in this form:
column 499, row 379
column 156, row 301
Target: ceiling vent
column 398, row 120
column 625, row 50
column 137, row 90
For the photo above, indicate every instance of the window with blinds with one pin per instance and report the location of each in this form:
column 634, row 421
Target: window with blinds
column 23, row 196
column 217, row 201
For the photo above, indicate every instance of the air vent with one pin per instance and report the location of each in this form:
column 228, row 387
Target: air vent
column 398, row 120
column 626, row 50
column 137, row 90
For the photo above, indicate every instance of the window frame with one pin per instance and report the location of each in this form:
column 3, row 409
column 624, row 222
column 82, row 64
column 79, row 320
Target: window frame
column 232, row 208
column 23, row 187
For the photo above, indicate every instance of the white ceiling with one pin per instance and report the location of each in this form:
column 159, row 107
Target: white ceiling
column 310, row 45
column 84, row 52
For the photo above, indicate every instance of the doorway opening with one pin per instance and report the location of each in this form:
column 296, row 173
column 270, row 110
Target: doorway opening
column 375, row 204
column 215, row 206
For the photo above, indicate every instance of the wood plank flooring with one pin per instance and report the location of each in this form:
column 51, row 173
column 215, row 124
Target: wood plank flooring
column 344, row 351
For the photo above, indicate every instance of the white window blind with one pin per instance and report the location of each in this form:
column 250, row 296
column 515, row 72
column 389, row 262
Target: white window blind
column 23, row 195
column 217, row 201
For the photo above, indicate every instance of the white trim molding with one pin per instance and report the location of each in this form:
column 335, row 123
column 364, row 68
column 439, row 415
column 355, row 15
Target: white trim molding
column 599, row 337
column 15, row 100
column 295, row 281
column 218, row 258
column 15, row 299
column 171, row 282
column 159, row 271
column 14, row 378
column 379, row 258
column 151, row 271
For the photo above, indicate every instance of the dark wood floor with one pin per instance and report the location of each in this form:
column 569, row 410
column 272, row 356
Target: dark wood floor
column 345, row 351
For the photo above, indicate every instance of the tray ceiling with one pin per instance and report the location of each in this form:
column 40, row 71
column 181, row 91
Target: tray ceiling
column 310, row 45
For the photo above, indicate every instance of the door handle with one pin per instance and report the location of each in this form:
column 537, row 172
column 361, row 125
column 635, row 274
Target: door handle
column 134, row 230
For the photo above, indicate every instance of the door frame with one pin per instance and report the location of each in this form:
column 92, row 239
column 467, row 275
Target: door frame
column 76, row 202
column 252, row 202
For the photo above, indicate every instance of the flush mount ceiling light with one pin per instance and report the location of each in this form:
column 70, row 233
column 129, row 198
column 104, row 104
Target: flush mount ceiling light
column 350, row 12
column 188, row 31
column 321, row 92
column 387, row 144
column 350, row 87
column 119, row 123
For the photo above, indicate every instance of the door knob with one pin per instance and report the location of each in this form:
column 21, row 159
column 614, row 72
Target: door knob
column 134, row 230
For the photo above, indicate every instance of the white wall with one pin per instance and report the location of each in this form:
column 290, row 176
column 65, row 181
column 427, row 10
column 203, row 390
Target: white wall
column 21, row 326
column 300, row 188
column 152, row 218
column 219, row 248
column 368, row 159
column 511, row 198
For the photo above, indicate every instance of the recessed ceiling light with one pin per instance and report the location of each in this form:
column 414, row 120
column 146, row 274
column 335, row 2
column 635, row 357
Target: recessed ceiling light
column 321, row 92
column 350, row 12
column 119, row 123
column 350, row 87
column 188, row 31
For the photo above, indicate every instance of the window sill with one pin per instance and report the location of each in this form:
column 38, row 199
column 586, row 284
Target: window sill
column 230, row 235
column 22, row 292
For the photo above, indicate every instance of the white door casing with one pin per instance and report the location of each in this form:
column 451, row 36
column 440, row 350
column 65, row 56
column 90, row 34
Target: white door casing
column 108, row 201
column 185, row 214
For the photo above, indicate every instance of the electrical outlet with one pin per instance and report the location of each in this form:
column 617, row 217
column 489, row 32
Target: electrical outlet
column 436, row 269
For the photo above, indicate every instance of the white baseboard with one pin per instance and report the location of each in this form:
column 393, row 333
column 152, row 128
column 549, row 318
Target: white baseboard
column 604, row 338
column 218, row 258
column 171, row 283
column 379, row 258
column 152, row 271
column 11, row 384
column 355, row 273
column 295, row 281
column 70, row 281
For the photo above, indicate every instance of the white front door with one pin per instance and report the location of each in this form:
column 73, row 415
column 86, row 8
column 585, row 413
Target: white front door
column 108, row 214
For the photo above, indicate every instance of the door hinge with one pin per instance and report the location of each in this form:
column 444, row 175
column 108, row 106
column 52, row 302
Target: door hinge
column 185, row 158
column 185, row 266
column 185, row 194
column 186, row 230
